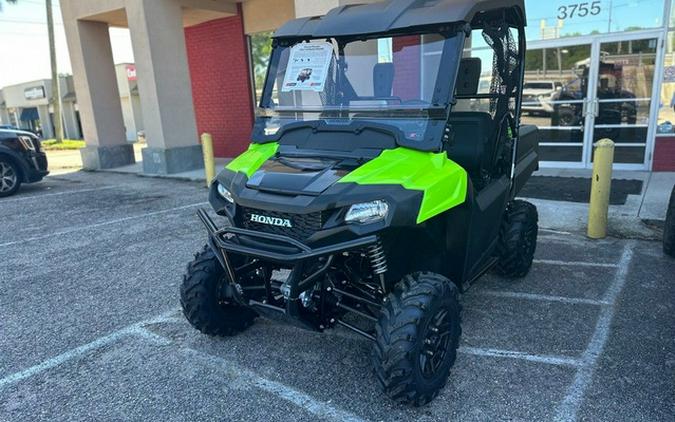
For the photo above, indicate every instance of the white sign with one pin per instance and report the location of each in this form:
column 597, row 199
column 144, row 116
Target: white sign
column 34, row 93
column 307, row 68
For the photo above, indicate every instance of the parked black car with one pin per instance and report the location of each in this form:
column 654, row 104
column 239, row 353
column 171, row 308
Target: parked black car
column 21, row 160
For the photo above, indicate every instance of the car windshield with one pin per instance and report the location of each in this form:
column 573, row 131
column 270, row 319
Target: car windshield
column 397, row 81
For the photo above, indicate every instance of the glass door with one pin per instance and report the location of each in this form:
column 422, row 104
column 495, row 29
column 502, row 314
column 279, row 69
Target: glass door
column 621, row 106
column 555, row 92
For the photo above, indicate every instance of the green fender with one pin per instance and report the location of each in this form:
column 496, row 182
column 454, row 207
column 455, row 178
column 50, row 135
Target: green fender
column 250, row 161
column 442, row 181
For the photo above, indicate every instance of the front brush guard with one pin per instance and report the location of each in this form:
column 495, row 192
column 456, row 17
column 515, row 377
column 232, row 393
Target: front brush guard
column 278, row 249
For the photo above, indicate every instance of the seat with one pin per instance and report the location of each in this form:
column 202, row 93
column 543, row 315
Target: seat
column 472, row 143
column 468, row 76
column 383, row 80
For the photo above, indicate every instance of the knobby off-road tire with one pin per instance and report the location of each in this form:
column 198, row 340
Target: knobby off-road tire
column 422, row 315
column 517, row 239
column 203, row 303
column 669, row 230
column 10, row 177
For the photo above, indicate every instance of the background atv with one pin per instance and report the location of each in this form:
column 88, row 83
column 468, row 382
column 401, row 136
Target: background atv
column 369, row 200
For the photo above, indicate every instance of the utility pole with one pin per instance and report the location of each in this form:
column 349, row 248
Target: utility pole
column 56, row 85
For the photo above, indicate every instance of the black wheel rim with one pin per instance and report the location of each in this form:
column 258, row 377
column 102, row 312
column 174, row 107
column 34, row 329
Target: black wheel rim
column 8, row 177
column 567, row 119
column 436, row 343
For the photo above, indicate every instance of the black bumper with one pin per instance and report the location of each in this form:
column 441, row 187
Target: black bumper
column 273, row 247
column 279, row 249
column 36, row 167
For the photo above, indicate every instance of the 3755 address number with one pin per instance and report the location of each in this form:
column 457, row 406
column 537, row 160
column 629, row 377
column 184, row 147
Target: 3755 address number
column 580, row 10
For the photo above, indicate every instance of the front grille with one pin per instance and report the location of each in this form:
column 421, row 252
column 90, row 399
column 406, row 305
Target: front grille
column 303, row 225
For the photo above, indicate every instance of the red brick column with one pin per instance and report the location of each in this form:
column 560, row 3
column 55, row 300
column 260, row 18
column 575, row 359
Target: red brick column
column 408, row 64
column 221, row 85
column 664, row 154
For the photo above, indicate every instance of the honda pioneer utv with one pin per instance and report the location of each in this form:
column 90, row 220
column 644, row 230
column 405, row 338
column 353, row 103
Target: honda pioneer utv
column 372, row 195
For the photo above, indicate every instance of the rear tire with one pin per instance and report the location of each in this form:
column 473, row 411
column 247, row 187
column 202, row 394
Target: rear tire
column 202, row 300
column 10, row 177
column 517, row 239
column 669, row 230
column 420, row 317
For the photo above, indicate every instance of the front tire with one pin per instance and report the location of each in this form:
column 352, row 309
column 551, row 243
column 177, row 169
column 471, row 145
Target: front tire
column 203, row 302
column 669, row 230
column 517, row 239
column 10, row 178
column 417, row 336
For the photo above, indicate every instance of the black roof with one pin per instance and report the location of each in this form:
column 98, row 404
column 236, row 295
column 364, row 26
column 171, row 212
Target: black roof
column 392, row 15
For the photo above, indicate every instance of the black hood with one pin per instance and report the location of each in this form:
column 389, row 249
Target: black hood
column 295, row 176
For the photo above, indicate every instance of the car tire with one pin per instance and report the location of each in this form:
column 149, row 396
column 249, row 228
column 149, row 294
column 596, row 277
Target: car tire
column 10, row 177
column 517, row 239
column 421, row 316
column 669, row 230
column 203, row 302
column 567, row 117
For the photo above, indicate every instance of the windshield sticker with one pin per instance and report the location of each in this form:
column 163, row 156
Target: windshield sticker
column 308, row 67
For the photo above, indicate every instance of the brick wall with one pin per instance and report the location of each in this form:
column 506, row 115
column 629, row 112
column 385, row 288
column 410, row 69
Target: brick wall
column 221, row 87
column 664, row 154
column 407, row 60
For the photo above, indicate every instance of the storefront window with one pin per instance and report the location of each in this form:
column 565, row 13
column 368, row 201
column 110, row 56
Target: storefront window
column 572, row 18
column 261, row 48
column 666, row 122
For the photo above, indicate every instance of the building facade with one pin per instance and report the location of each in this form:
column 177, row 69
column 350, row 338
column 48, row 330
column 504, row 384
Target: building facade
column 29, row 106
column 594, row 69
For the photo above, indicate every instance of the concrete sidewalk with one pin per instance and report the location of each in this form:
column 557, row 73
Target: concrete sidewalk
column 640, row 217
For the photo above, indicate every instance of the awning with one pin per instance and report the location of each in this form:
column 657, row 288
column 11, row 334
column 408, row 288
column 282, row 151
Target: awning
column 29, row 114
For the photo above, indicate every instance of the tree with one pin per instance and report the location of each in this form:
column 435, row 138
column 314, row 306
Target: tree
column 56, row 87
column 8, row 1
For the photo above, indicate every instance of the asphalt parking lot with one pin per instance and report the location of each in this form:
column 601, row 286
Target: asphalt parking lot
column 90, row 328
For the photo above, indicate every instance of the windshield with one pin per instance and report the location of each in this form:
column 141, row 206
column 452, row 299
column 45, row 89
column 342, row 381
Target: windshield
column 401, row 81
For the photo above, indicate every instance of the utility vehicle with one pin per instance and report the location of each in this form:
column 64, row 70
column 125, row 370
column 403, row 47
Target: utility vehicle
column 368, row 199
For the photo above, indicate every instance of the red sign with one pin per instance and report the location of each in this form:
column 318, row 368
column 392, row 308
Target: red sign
column 131, row 72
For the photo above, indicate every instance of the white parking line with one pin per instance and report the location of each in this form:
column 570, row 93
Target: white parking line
column 300, row 399
column 134, row 329
column 575, row 263
column 496, row 353
column 544, row 298
column 567, row 410
column 285, row 392
column 556, row 232
column 23, row 198
column 97, row 225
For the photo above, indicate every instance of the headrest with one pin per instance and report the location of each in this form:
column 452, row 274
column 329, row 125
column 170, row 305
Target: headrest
column 383, row 79
column 468, row 76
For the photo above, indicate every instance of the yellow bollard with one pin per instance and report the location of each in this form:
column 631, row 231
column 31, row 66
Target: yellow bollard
column 209, row 160
column 600, row 189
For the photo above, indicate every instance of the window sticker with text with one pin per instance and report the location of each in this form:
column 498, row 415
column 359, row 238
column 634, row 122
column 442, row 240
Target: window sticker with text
column 308, row 67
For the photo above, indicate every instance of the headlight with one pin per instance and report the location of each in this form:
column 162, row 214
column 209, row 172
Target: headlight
column 226, row 194
column 367, row 212
column 27, row 143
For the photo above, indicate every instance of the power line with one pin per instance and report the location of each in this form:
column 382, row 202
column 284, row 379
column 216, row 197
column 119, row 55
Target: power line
column 29, row 22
